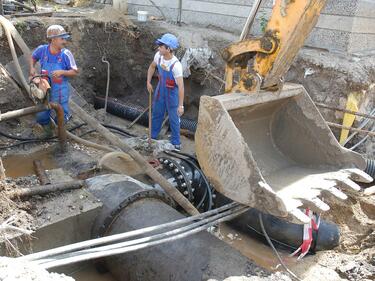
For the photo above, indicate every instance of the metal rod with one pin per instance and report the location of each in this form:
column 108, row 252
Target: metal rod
column 41, row 172
column 139, row 116
column 44, row 189
column 164, row 130
column 22, row 112
column 108, row 80
column 322, row 105
column 334, row 125
column 250, row 19
column 179, row 17
column 149, row 119
column 141, row 161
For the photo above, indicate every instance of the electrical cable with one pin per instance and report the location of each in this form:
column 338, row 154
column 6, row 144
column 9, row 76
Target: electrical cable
column 126, row 249
column 294, row 276
column 121, row 236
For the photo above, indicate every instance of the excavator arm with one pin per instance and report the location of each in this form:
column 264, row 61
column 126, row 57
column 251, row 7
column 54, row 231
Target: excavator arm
column 290, row 23
column 272, row 150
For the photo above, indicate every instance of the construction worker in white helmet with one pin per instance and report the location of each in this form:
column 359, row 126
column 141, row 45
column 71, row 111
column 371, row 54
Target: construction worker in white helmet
column 59, row 65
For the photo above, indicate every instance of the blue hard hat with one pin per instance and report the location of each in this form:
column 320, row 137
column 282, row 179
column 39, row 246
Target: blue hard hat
column 169, row 40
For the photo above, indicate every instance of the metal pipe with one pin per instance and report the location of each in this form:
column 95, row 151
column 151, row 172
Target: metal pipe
column 139, row 116
column 60, row 123
column 179, row 17
column 201, row 256
column 108, row 80
column 23, row 111
column 131, row 112
column 334, row 125
column 141, row 243
column 122, row 236
column 44, row 189
column 250, row 19
column 322, row 105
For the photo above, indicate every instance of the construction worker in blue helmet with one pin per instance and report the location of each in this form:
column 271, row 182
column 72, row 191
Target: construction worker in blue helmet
column 58, row 64
column 169, row 93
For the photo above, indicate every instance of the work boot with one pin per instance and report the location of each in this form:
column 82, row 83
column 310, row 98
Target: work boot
column 177, row 147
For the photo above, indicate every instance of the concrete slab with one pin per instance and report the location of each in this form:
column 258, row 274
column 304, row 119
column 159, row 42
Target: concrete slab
column 60, row 220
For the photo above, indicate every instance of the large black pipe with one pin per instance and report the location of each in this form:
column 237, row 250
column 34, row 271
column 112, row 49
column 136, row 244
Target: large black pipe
column 285, row 234
column 127, row 206
column 131, row 112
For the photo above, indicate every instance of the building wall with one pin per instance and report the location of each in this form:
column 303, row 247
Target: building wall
column 345, row 25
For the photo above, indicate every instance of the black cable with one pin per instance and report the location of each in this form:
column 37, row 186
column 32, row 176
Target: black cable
column 26, row 142
column 208, row 187
column 186, row 154
column 36, row 139
column 292, row 248
column 292, row 274
column 119, row 129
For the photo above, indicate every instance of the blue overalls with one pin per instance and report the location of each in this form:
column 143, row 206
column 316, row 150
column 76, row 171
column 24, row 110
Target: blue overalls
column 166, row 98
column 59, row 89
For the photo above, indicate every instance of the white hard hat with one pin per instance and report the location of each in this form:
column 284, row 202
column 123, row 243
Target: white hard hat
column 57, row 31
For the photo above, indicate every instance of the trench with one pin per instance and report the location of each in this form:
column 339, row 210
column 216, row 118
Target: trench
column 129, row 62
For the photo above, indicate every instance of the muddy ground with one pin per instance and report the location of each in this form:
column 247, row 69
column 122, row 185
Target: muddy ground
column 129, row 47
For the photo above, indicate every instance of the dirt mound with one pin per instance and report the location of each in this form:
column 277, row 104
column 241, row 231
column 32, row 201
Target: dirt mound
column 356, row 220
column 11, row 270
column 111, row 15
column 13, row 214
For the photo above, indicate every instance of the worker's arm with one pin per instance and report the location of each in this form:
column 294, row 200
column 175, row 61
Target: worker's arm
column 181, row 93
column 150, row 73
column 32, row 63
column 66, row 73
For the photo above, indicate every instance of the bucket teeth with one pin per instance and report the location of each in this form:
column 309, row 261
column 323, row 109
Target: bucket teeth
column 358, row 175
column 348, row 184
column 336, row 192
column 316, row 204
column 299, row 216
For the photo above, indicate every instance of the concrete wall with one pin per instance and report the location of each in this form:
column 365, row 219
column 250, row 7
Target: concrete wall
column 345, row 25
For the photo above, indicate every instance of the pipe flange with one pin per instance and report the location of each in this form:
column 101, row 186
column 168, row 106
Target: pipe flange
column 144, row 194
column 177, row 170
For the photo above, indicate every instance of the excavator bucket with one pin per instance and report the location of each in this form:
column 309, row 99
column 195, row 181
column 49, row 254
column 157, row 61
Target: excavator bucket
column 273, row 151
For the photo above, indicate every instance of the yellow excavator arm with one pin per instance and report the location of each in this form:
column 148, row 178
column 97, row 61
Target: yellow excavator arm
column 273, row 150
column 290, row 23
